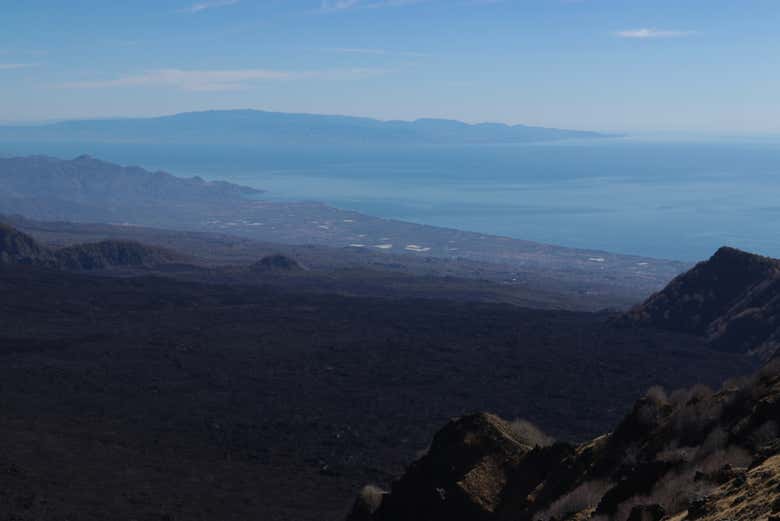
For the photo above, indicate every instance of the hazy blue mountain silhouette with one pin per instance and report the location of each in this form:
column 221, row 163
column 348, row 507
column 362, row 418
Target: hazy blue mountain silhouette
column 260, row 127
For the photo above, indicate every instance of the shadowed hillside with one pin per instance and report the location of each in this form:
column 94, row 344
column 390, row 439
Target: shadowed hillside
column 276, row 262
column 236, row 402
column 19, row 248
column 692, row 455
column 107, row 254
column 733, row 300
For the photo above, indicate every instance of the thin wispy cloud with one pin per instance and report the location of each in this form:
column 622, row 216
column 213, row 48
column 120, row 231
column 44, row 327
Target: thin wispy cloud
column 217, row 80
column 342, row 5
column 13, row 66
column 374, row 52
column 336, row 5
column 647, row 33
column 208, row 4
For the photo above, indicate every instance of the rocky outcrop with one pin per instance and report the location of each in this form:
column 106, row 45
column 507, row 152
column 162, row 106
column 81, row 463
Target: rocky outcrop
column 276, row 262
column 90, row 181
column 463, row 474
column 694, row 454
column 733, row 300
column 19, row 248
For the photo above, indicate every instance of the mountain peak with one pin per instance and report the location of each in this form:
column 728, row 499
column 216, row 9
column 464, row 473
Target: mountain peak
column 733, row 299
column 277, row 262
column 262, row 127
column 727, row 257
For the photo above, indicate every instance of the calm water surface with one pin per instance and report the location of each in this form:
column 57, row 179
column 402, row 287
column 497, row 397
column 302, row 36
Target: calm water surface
column 661, row 199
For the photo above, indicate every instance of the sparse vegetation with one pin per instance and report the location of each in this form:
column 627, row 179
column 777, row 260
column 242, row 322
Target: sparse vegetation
column 369, row 500
column 529, row 434
column 583, row 498
column 673, row 453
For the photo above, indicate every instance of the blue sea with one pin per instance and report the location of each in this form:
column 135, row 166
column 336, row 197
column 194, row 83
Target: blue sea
column 668, row 199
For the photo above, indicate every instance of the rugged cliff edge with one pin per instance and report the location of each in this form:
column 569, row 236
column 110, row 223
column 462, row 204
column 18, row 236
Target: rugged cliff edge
column 693, row 454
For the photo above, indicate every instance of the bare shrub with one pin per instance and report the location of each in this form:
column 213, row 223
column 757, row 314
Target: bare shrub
column 677, row 454
column 735, row 383
column 422, row 452
column 770, row 370
column 732, row 456
column 631, row 455
column 676, row 490
column 686, row 397
column 624, row 510
column 714, row 442
column 766, row 433
column 649, row 412
column 679, row 398
column 697, row 415
column 370, row 499
column 528, row 433
column 657, row 394
column 700, row 392
column 584, row 497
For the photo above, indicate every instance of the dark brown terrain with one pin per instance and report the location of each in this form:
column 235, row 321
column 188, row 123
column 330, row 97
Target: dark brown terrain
column 691, row 454
column 217, row 370
column 144, row 396
column 733, row 300
column 696, row 454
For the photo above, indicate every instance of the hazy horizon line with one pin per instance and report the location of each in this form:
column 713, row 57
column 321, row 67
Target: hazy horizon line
column 621, row 132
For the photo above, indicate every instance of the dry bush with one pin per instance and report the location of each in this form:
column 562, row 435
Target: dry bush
column 422, row 452
column 733, row 456
column 675, row 491
column 712, row 454
column 715, row 441
column 697, row 416
column 632, row 455
column 528, row 433
column 766, row 433
column 624, row 510
column 770, row 370
column 370, row 499
column 584, row 497
column 649, row 412
column 657, row 394
column 676, row 454
column 686, row 397
column 735, row 383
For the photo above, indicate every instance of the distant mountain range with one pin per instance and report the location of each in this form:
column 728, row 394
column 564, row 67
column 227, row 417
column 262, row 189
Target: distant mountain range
column 88, row 189
column 260, row 127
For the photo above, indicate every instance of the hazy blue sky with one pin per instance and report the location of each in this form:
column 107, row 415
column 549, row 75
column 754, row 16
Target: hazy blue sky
column 700, row 65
